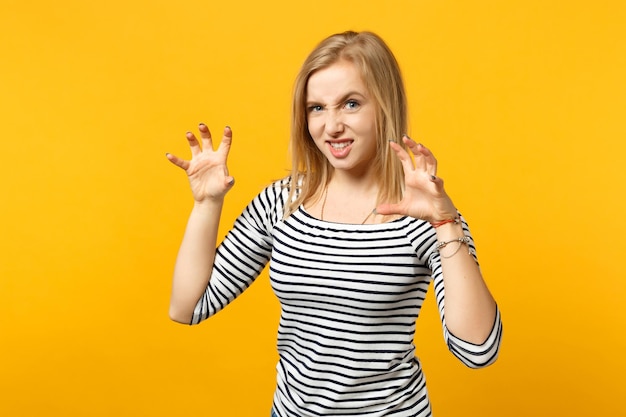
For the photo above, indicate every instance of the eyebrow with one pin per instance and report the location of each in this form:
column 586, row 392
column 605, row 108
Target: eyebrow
column 342, row 99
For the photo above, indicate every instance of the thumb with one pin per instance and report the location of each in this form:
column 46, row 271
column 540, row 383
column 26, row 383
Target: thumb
column 387, row 209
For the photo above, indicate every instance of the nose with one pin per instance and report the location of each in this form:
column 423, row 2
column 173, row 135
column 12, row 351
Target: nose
column 334, row 122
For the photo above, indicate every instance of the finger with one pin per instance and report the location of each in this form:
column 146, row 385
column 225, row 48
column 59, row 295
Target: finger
column 205, row 134
column 389, row 209
column 227, row 139
column 438, row 181
column 424, row 159
column 193, row 144
column 181, row 163
column 416, row 150
column 403, row 156
column 431, row 161
column 411, row 144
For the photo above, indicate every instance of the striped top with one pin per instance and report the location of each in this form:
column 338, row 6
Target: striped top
column 349, row 295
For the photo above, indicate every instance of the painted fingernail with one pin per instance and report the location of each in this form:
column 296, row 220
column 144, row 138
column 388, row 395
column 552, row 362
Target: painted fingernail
column 231, row 182
column 433, row 178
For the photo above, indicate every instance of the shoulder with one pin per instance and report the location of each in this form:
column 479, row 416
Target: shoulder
column 277, row 189
column 421, row 234
column 268, row 205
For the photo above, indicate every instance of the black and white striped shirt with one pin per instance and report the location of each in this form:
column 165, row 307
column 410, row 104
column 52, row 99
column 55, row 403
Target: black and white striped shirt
column 349, row 295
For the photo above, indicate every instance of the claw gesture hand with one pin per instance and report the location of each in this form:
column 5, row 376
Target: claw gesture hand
column 207, row 171
column 424, row 197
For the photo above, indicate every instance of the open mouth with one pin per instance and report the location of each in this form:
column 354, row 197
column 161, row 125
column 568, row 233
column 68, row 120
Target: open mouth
column 340, row 145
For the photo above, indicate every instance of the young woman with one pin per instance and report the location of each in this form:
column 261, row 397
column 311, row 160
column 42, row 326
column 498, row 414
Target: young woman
column 353, row 238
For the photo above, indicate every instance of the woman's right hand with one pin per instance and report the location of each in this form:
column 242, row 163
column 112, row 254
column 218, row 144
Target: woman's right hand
column 207, row 170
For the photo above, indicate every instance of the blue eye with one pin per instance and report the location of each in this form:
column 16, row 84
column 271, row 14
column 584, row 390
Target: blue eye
column 316, row 108
column 351, row 105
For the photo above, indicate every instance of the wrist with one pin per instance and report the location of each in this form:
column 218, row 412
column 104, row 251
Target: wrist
column 208, row 204
column 449, row 231
column 459, row 241
column 446, row 220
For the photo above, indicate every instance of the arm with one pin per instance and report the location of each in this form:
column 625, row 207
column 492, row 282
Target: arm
column 470, row 310
column 244, row 252
column 474, row 353
column 194, row 262
column 209, row 181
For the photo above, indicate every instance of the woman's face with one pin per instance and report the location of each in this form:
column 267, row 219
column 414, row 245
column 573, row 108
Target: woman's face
column 341, row 117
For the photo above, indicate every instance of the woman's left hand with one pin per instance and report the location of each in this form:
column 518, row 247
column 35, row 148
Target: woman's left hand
column 424, row 197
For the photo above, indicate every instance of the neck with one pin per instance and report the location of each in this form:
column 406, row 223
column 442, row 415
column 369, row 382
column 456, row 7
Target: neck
column 356, row 185
column 347, row 199
column 369, row 214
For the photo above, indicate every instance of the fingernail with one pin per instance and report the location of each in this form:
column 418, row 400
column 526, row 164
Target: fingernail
column 227, row 127
column 201, row 125
column 231, row 182
column 433, row 178
column 374, row 211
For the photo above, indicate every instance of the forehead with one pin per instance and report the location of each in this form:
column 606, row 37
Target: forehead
column 335, row 81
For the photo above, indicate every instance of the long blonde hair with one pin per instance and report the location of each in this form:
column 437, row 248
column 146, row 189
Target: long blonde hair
column 379, row 69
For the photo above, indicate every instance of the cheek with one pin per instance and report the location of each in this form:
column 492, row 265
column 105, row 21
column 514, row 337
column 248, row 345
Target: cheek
column 314, row 127
column 362, row 126
column 368, row 126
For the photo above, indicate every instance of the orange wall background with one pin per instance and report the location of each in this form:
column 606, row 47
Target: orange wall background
column 523, row 102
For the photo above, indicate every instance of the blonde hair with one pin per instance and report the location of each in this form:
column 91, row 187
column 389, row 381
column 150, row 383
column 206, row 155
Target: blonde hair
column 379, row 69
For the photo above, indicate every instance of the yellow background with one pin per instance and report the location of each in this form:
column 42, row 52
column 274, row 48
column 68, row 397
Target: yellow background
column 523, row 102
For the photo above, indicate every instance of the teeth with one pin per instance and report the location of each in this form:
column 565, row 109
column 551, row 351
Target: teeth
column 340, row 145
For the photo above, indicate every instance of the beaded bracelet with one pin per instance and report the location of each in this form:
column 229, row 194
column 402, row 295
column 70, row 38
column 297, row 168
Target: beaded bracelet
column 461, row 240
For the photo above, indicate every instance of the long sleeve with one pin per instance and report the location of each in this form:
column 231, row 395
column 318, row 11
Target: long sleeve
column 471, row 354
column 243, row 253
